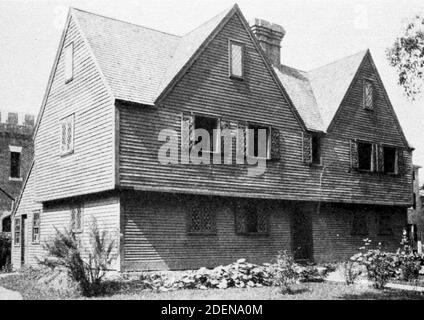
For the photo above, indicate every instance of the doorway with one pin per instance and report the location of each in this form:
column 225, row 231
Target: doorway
column 23, row 238
column 301, row 229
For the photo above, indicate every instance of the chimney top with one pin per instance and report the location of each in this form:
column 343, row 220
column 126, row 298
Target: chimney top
column 269, row 36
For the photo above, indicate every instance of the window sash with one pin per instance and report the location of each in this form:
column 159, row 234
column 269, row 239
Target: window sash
column 17, row 232
column 268, row 141
column 36, row 227
column 236, row 59
column 201, row 221
column 67, row 134
column 215, row 139
column 368, row 95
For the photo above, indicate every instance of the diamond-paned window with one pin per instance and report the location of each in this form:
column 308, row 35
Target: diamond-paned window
column 368, row 95
column 201, row 220
column 76, row 219
column 67, row 135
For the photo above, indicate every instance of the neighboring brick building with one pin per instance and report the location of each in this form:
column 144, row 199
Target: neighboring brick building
column 16, row 151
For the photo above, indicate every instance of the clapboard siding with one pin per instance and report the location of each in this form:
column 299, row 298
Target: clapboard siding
column 155, row 233
column 91, row 167
column 27, row 206
column 206, row 88
column 332, row 227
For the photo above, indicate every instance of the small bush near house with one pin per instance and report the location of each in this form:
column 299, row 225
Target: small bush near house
column 408, row 262
column 5, row 251
column 284, row 272
column 380, row 265
column 88, row 270
column 351, row 271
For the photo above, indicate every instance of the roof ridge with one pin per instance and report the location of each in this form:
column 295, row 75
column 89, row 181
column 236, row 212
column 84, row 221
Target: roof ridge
column 338, row 60
column 286, row 66
column 126, row 22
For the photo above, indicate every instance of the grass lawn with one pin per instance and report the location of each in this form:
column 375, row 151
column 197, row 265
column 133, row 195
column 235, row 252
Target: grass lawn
column 31, row 289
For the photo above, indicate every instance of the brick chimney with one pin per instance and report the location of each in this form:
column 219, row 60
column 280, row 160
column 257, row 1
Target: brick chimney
column 269, row 36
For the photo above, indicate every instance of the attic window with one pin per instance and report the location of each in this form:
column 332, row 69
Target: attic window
column 67, row 135
column 69, row 62
column 368, row 95
column 236, row 60
column 316, row 149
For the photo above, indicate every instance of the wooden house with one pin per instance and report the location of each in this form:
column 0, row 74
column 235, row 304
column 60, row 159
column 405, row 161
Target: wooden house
column 338, row 166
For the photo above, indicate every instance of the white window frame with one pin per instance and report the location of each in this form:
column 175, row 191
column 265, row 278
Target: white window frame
column 230, row 58
column 217, row 147
column 69, row 122
column 268, row 142
column 69, row 62
column 17, row 244
column 34, row 239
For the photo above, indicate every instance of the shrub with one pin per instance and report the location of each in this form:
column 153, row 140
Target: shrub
column 87, row 270
column 351, row 271
column 5, row 251
column 380, row 265
column 284, row 272
column 408, row 262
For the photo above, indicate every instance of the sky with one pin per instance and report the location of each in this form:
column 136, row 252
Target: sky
column 317, row 32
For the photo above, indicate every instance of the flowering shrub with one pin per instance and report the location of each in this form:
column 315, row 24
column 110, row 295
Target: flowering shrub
column 408, row 261
column 284, row 272
column 380, row 265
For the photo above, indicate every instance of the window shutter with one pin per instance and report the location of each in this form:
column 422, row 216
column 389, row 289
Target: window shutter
column 241, row 140
column 380, row 158
column 225, row 139
column 354, row 161
column 400, row 163
column 275, row 144
column 241, row 221
column 307, row 148
column 187, row 133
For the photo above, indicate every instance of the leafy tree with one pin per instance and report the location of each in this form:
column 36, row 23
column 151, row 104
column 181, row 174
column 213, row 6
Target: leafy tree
column 407, row 56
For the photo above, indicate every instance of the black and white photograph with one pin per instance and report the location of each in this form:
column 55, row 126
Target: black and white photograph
column 211, row 150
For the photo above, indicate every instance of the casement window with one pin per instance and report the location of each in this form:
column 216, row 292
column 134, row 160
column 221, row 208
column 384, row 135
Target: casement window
column 368, row 95
column 201, row 220
column 69, row 62
column 384, row 224
column 212, row 126
column 414, row 201
column 251, row 218
column 236, row 54
column 359, row 224
column 15, row 162
column 76, row 219
column 36, row 227
column 316, row 149
column 365, row 156
column 253, row 141
column 390, row 163
column 67, row 126
column 17, row 232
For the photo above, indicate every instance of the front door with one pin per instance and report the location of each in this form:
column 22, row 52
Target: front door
column 301, row 228
column 23, row 240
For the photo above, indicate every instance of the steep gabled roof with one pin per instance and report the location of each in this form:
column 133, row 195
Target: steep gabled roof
column 139, row 63
column 331, row 82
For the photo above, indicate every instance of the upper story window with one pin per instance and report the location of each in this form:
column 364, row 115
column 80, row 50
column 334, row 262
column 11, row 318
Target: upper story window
column 69, row 62
column 260, row 146
column 236, row 59
column 368, row 95
column 15, row 162
column 67, row 135
column 316, row 149
column 211, row 125
column 365, row 158
column 390, row 159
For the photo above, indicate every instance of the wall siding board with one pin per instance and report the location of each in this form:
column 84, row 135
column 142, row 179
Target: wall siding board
column 91, row 167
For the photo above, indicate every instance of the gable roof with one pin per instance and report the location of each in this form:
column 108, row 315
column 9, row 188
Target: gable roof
column 139, row 63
